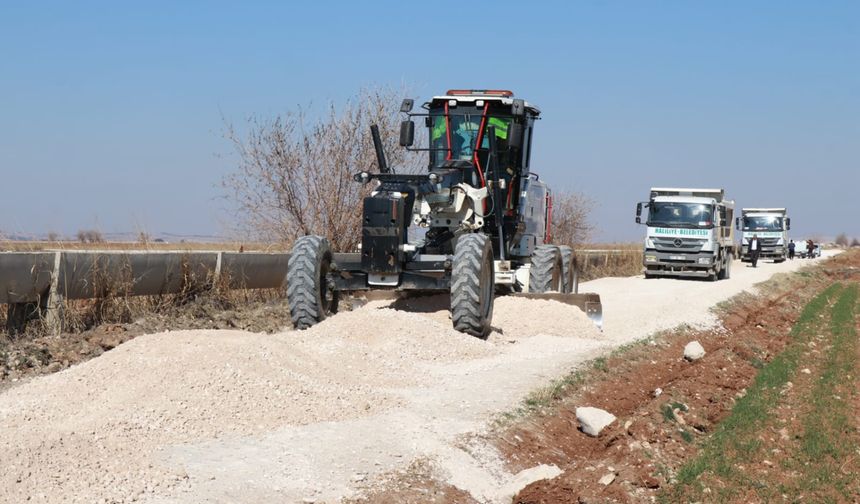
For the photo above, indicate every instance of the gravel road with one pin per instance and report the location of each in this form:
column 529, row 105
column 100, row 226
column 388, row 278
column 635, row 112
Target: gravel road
column 317, row 415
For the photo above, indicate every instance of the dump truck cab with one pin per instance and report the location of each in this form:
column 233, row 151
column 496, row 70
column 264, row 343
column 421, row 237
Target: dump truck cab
column 771, row 225
column 689, row 233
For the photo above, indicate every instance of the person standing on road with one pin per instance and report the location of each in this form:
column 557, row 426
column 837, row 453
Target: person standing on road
column 810, row 249
column 791, row 246
column 755, row 250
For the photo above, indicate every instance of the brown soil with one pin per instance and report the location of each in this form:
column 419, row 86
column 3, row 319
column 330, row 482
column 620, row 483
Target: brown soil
column 414, row 485
column 654, row 435
column 778, row 467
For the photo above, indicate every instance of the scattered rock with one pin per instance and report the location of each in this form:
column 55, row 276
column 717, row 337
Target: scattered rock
column 694, row 351
column 658, row 392
column 593, row 420
column 805, row 371
column 607, row 479
column 525, row 478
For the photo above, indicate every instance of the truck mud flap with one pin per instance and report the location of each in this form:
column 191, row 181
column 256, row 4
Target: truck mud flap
column 588, row 302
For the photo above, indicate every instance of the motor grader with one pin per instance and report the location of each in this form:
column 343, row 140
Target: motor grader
column 480, row 220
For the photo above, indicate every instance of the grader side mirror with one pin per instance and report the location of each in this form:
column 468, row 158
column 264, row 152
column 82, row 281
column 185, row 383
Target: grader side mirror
column 406, row 106
column 788, row 223
column 638, row 213
column 518, row 108
column 737, row 223
column 407, row 133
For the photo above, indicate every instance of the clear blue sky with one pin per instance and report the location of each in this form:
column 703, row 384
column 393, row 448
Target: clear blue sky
column 111, row 112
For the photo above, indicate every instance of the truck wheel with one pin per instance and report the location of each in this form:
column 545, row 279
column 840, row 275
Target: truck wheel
column 473, row 285
column 546, row 272
column 570, row 272
column 726, row 272
column 310, row 296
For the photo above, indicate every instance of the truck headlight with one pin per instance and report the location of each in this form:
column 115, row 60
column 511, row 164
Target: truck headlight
column 704, row 260
column 650, row 258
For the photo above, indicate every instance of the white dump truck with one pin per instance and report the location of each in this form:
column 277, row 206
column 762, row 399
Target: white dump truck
column 771, row 225
column 689, row 233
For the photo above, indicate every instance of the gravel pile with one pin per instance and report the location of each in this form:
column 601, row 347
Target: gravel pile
column 91, row 432
column 514, row 318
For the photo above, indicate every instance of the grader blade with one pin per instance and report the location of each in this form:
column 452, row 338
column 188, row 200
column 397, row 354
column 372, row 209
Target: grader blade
column 589, row 303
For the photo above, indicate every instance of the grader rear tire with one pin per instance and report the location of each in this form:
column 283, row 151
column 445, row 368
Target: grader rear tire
column 546, row 272
column 570, row 271
column 473, row 285
column 308, row 292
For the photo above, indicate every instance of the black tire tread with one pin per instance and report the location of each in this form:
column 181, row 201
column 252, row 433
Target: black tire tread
column 303, row 289
column 570, row 275
column 544, row 262
column 473, row 253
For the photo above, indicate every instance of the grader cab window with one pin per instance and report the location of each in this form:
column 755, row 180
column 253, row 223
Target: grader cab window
column 462, row 131
column 456, row 136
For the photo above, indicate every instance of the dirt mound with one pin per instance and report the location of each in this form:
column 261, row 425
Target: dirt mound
column 92, row 424
column 522, row 318
column 34, row 353
column 91, row 431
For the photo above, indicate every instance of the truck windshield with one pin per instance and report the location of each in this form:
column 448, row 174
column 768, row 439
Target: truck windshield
column 763, row 223
column 680, row 215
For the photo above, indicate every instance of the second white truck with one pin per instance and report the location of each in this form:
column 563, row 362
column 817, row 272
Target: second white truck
column 689, row 233
column 771, row 225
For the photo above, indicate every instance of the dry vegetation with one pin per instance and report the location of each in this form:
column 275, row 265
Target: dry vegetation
column 571, row 218
column 95, row 325
column 295, row 175
column 35, row 246
column 609, row 260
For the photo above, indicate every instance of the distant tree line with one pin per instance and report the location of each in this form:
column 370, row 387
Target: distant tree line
column 842, row 241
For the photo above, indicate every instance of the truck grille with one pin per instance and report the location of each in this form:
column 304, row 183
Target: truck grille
column 687, row 245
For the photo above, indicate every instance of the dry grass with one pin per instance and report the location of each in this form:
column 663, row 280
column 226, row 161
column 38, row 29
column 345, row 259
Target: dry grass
column 600, row 260
column 114, row 303
column 35, row 246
